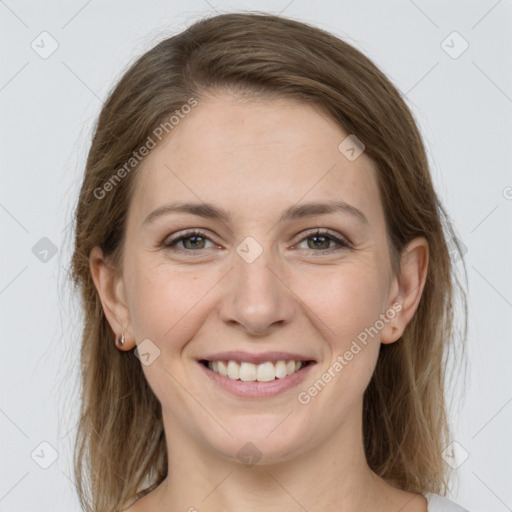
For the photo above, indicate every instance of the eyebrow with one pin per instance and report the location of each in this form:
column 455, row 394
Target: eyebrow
column 211, row 211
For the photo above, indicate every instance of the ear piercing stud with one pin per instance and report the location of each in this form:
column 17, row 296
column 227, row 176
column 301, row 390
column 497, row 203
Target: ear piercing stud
column 120, row 341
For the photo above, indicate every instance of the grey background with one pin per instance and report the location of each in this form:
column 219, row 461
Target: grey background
column 48, row 106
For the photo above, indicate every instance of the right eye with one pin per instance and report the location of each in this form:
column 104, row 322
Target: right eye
column 194, row 239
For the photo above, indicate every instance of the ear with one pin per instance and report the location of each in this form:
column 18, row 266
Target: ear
column 406, row 288
column 111, row 290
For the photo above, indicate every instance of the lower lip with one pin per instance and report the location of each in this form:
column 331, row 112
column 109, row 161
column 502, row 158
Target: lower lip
column 255, row 389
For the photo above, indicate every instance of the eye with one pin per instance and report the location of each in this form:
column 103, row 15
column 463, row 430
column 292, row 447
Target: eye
column 192, row 239
column 321, row 240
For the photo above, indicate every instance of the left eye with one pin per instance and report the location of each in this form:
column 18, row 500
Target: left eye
column 321, row 240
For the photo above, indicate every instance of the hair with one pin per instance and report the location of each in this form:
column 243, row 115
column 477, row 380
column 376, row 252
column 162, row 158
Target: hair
column 120, row 451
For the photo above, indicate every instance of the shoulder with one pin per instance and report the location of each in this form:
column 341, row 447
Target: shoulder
column 438, row 503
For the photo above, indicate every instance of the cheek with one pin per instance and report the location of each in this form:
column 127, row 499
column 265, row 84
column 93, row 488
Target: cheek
column 348, row 304
column 346, row 300
column 165, row 303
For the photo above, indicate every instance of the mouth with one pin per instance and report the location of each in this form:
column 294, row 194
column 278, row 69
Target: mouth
column 256, row 379
column 249, row 372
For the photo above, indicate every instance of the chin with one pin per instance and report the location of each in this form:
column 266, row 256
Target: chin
column 261, row 440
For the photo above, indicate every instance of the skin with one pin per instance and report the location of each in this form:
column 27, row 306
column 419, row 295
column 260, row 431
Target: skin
column 255, row 158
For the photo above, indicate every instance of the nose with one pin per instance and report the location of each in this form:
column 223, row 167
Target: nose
column 257, row 300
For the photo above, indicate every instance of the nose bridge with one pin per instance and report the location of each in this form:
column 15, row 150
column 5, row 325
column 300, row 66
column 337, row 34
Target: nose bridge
column 257, row 297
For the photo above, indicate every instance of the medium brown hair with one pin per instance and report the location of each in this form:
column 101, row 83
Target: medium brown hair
column 120, row 451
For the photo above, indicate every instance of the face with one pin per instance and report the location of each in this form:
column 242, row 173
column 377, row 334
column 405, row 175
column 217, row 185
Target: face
column 260, row 275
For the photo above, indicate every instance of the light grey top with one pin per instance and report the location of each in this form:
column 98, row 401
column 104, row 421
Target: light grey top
column 438, row 503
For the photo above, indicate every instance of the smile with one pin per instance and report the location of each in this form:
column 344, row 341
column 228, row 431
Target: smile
column 250, row 372
column 254, row 380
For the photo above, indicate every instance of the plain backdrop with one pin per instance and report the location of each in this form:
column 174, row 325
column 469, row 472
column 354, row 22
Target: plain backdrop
column 452, row 63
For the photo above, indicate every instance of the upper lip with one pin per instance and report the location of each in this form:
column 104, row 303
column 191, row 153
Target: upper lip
column 251, row 357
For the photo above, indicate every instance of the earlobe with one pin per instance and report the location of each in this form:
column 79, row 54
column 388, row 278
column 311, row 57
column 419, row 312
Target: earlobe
column 408, row 287
column 110, row 288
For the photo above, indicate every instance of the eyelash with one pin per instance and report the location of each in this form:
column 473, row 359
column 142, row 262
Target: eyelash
column 172, row 243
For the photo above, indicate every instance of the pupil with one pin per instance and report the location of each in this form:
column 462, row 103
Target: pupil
column 196, row 238
column 324, row 238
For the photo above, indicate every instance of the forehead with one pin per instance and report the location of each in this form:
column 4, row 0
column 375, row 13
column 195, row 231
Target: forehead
column 254, row 155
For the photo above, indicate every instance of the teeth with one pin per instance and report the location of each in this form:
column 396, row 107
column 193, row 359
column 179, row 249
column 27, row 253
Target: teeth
column 249, row 372
column 280, row 369
column 265, row 372
column 233, row 370
column 223, row 369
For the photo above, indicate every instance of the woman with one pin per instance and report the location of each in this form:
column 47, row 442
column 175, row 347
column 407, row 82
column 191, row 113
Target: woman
column 266, row 283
